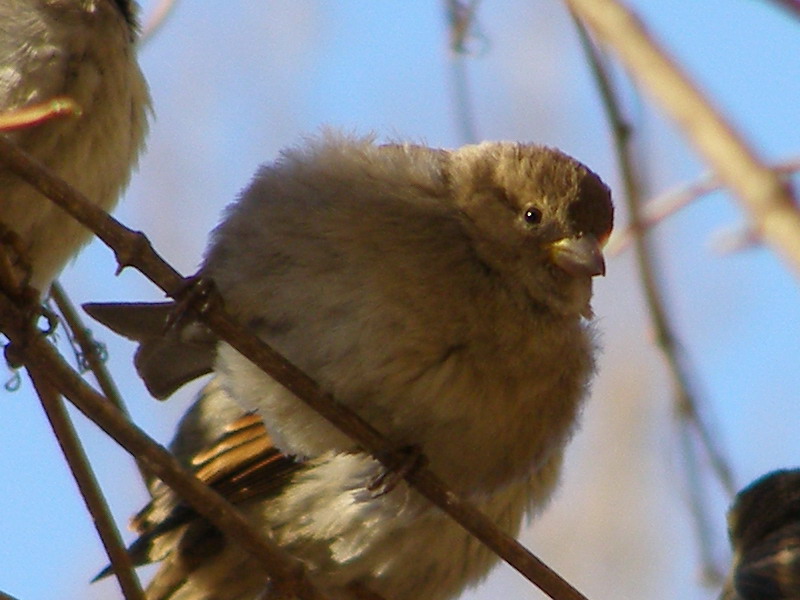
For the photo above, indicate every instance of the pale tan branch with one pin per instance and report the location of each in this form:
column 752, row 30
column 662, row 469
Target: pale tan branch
column 793, row 6
column 461, row 22
column 766, row 198
column 686, row 400
column 156, row 19
column 672, row 201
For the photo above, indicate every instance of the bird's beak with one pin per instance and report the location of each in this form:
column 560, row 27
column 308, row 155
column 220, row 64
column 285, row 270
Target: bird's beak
column 579, row 256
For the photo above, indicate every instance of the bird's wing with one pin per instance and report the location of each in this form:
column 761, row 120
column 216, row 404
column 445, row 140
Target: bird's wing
column 243, row 464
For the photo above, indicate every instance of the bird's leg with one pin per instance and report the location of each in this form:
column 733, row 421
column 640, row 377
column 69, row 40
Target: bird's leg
column 36, row 114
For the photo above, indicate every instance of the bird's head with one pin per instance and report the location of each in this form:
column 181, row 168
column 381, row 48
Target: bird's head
column 537, row 215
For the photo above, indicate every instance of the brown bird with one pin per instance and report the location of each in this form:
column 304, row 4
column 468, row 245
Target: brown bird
column 764, row 529
column 442, row 295
column 83, row 50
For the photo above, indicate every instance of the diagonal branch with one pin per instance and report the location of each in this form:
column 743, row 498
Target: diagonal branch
column 765, row 197
column 29, row 347
column 89, row 354
column 672, row 201
column 793, row 6
column 687, row 401
column 87, row 483
column 159, row 13
column 133, row 249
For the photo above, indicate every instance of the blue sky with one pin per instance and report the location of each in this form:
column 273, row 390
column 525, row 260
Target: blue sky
column 234, row 82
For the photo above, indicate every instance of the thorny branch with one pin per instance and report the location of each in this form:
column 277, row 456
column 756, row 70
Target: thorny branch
column 30, row 348
column 133, row 249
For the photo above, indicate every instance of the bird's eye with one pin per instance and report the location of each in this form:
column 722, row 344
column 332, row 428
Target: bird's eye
column 532, row 215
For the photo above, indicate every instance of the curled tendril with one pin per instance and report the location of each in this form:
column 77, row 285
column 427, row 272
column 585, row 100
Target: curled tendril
column 13, row 383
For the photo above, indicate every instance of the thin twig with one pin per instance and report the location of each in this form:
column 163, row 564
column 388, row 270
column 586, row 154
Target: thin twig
column 672, row 201
column 465, row 116
column 156, row 19
column 133, row 249
column 90, row 355
column 460, row 18
column 765, row 197
column 793, row 6
column 87, row 345
column 88, row 486
column 687, row 401
column 28, row 347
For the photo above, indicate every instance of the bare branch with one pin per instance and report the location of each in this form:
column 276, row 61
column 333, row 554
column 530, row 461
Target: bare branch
column 133, row 249
column 29, row 347
column 686, row 401
column 87, row 345
column 156, row 19
column 673, row 201
column 128, row 245
column 90, row 355
column 87, row 483
column 793, row 6
column 461, row 18
column 764, row 196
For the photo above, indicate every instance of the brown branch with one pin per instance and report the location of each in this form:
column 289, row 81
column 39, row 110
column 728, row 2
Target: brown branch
column 87, row 484
column 793, row 6
column 461, row 19
column 89, row 355
column 129, row 246
column 133, row 249
column 686, row 401
column 29, row 347
column 764, row 196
